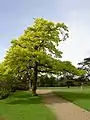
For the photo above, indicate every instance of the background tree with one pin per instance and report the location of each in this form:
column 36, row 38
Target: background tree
column 5, row 82
column 85, row 65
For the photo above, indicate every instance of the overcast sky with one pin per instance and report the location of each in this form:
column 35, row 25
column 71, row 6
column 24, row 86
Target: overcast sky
column 16, row 15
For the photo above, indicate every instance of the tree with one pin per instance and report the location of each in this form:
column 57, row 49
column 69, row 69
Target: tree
column 5, row 86
column 36, row 51
column 84, row 66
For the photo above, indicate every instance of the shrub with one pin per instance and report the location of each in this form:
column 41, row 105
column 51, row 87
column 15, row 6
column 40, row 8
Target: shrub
column 4, row 93
column 4, row 89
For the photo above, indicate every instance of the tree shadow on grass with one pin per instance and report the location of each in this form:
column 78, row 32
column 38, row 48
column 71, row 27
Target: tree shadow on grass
column 72, row 96
column 81, row 99
column 48, row 98
column 24, row 98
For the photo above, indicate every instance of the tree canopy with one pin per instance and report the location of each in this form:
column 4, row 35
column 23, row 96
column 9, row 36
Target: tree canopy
column 36, row 52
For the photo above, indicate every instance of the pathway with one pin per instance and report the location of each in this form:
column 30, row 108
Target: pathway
column 64, row 110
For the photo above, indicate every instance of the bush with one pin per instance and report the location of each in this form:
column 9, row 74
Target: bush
column 4, row 93
column 4, row 89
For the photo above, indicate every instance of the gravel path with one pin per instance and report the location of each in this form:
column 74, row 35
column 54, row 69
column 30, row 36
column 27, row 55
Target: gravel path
column 63, row 109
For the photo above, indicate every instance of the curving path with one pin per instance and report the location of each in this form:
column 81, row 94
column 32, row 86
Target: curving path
column 64, row 110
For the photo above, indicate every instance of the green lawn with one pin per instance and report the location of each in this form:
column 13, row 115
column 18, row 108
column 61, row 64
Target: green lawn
column 75, row 95
column 23, row 106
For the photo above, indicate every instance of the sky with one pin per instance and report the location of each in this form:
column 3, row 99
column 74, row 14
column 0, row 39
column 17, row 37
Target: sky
column 17, row 15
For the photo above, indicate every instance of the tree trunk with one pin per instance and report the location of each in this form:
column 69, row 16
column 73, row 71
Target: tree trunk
column 29, row 85
column 34, row 83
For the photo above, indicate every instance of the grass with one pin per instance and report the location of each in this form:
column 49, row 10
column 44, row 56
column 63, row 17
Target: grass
column 24, row 106
column 75, row 95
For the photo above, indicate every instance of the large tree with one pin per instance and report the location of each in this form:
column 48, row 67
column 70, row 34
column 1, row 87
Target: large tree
column 36, row 51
